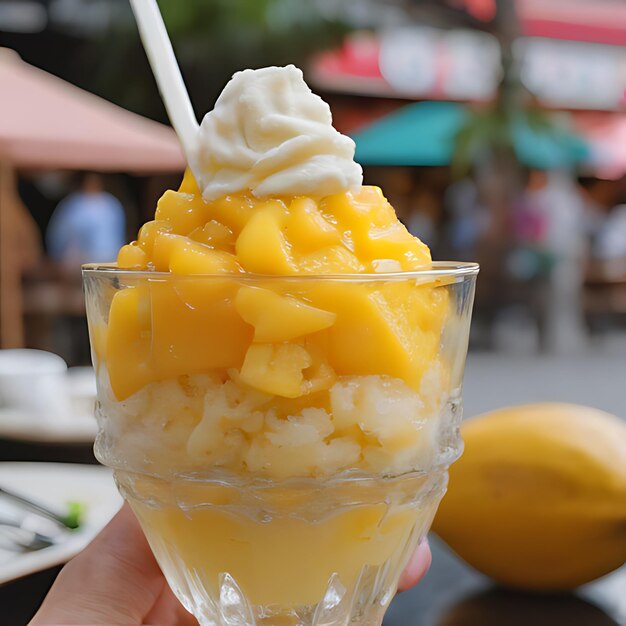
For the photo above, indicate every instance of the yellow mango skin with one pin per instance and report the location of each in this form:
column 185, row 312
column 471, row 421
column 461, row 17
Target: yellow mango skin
column 538, row 500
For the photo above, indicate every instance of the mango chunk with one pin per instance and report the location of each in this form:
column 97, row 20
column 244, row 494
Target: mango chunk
column 196, row 258
column 276, row 369
column 261, row 247
column 234, row 211
column 279, row 318
column 132, row 257
column 196, row 336
column 164, row 245
column 320, row 375
column 362, row 208
column 378, row 329
column 216, row 235
column 128, row 342
column 392, row 241
column 189, row 184
column 149, row 232
column 184, row 211
column 331, row 260
column 306, row 228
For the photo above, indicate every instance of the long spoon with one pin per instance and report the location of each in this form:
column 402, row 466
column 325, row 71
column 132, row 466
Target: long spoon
column 162, row 59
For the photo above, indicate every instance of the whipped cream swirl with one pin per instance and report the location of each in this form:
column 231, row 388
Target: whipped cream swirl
column 269, row 133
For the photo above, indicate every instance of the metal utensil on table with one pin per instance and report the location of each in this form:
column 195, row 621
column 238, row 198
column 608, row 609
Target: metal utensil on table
column 37, row 508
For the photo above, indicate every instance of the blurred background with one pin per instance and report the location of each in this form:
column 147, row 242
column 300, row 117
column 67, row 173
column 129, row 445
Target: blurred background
column 496, row 128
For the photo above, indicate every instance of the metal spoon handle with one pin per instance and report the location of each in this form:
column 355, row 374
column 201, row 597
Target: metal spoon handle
column 33, row 506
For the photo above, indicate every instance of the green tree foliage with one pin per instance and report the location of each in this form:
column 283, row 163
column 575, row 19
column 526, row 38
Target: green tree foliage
column 212, row 40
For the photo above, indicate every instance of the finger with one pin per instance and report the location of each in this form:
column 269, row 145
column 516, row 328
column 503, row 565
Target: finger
column 115, row 580
column 418, row 565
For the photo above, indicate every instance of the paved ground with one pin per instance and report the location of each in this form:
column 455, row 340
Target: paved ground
column 597, row 378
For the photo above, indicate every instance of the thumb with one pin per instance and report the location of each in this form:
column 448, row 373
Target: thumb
column 115, row 580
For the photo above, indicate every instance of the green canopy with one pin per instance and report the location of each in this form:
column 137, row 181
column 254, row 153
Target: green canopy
column 424, row 133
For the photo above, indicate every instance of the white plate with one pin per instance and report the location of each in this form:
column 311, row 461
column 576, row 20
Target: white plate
column 55, row 484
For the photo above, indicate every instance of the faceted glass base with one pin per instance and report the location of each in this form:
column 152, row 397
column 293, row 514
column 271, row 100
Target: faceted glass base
column 306, row 553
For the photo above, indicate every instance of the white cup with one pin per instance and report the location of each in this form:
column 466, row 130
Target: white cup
column 34, row 381
column 82, row 390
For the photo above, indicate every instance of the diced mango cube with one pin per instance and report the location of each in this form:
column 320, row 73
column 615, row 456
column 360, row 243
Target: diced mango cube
column 276, row 368
column 358, row 209
column 149, row 232
column 261, row 246
column 392, row 242
column 279, row 318
column 128, row 342
column 132, row 257
column 198, row 336
column 184, row 211
column 331, row 260
column 164, row 246
column 377, row 330
column 189, row 184
column 386, row 266
column 306, row 228
column 320, row 375
column 216, row 235
column 196, row 258
column 234, row 211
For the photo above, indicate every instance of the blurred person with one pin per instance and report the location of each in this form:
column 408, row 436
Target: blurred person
column 530, row 215
column 422, row 220
column 397, row 183
column 598, row 198
column 563, row 206
column 610, row 240
column 469, row 218
column 116, row 581
column 89, row 225
column 529, row 257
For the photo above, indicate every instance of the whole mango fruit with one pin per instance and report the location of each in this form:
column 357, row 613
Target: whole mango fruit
column 538, row 499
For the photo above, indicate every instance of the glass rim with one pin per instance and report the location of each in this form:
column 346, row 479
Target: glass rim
column 436, row 270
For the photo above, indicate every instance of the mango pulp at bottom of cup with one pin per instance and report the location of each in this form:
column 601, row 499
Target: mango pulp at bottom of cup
column 280, row 558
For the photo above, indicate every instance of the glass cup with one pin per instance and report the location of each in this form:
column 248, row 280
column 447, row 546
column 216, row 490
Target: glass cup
column 284, row 441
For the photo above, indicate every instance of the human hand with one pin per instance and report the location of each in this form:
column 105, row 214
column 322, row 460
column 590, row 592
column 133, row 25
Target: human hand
column 116, row 580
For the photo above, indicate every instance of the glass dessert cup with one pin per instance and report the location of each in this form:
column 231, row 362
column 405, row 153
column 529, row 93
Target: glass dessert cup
column 281, row 482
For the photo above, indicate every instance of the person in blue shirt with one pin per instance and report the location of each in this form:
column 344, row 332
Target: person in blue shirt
column 88, row 226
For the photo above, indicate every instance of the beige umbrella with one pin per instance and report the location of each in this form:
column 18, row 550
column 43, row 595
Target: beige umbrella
column 49, row 124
